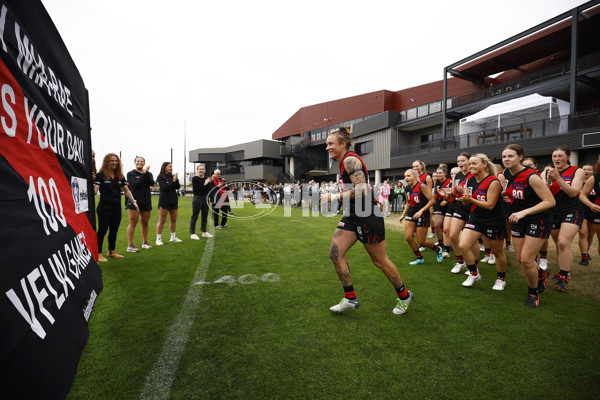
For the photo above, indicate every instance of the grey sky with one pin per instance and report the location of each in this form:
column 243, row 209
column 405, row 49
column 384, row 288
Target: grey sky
column 235, row 71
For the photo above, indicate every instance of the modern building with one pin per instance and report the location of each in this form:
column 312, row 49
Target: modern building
column 253, row 161
column 540, row 88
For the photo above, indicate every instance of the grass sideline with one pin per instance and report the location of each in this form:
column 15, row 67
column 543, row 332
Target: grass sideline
column 276, row 339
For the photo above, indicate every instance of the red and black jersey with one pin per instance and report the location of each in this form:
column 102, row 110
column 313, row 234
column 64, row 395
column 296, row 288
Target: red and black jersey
column 479, row 191
column 563, row 201
column 345, row 184
column 520, row 193
column 460, row 179
column 423, row 178
column 441, row 187
column 417, row 199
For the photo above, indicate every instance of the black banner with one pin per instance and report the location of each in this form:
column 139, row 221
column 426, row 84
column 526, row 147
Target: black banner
column 49, row 278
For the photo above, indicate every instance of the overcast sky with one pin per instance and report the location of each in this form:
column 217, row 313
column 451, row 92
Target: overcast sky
column 234, row 71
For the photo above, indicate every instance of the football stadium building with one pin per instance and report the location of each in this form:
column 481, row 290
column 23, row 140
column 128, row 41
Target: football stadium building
column 540, row 88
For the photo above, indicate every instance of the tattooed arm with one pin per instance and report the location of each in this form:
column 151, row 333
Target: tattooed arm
column 359, row 181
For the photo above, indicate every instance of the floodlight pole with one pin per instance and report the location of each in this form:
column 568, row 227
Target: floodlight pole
column 184, row 158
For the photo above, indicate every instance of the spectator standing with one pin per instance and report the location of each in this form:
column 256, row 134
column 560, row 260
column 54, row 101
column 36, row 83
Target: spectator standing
column 167, row 202
column 201, row 185
column 109, row 182
column 139, row 180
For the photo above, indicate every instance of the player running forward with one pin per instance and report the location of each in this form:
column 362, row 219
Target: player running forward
column 565, row 183
column 530, row 217
column 418, row 216
column 482, row 195
column 461, row 211
column 360, row 222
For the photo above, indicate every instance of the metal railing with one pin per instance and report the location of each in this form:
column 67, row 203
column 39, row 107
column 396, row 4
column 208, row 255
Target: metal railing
column 506, row 134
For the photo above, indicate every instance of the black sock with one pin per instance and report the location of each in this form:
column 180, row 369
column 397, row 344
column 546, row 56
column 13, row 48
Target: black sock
column 349, row 292
column 532, row 291
column 472, row 269
column 501, row 275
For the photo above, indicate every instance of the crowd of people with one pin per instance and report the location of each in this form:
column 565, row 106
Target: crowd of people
column 482, row 206
column 476, row 206
column 110, row 182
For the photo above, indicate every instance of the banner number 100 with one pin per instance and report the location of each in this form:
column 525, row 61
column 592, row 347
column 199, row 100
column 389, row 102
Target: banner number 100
column 43, row 194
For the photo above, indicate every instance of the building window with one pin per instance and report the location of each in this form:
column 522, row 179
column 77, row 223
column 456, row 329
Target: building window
column 365, row 148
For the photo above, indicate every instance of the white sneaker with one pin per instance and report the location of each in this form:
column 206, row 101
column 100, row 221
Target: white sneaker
column 492, row 259
column 543, row 263
column 500, row 284
column 481, row 247
column 146, row 245
column 471, row 279
column 510, row 249
column 345, row 304
column 467, row 272
column 402, row 305
column 431, row 235
column 194, row 237
column 485, row 259
column 445, row 254
column 175, row 239
column 458, row 267
column 421, row 248
column 159, row 242
column 206, row 234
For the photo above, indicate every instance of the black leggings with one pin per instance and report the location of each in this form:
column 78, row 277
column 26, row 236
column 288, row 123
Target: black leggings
column 199, row 204
column 109, row 219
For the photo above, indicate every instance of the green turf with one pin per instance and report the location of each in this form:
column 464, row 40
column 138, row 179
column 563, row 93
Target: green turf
column 278, row 339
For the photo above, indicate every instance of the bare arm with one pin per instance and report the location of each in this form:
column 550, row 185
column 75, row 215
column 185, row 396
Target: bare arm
column 493, row 195
column 546, row 203
column 585, row 192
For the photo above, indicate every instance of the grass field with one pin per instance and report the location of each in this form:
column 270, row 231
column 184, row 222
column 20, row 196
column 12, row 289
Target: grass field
column 257, row 325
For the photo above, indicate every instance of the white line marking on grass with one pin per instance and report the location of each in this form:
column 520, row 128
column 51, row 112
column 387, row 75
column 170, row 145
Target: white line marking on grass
column 158, row 382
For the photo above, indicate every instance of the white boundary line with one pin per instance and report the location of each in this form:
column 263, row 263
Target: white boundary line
column 159, row 380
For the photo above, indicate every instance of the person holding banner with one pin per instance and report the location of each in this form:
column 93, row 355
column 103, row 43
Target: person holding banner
column 110, row 181
column 139, row 179
column 167, row 202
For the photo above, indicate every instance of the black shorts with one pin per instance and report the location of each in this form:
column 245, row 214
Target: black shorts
column 450, row 210
column 141, row 206
column 560, row 217
column 439, row 209
column 461, row 212
column 593, row 218
column 535, row 228
column 168, row 206
column 368, row 230
column 496, row 231
column 423, row 222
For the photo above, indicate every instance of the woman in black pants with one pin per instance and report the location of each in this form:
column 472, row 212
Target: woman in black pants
column 110, row 181
column 201, row 186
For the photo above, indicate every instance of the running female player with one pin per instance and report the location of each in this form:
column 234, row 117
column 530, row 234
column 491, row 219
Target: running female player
column 440, row 207
column 565, row 183
column 461, row 211
column 482, row 195
column 589, row 197
column 418, row 216
column 361, row 222
column 530, row 217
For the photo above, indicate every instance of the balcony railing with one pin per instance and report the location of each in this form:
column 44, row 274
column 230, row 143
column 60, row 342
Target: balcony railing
column 507, row 134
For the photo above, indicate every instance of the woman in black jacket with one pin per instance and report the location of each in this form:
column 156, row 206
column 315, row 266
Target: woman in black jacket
column 201, row 186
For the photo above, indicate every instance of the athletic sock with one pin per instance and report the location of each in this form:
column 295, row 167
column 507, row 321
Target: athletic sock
column 543, row 254
column 532, row 291
column 564, row 273
column 501, row 275
column 472, row 269
column 158, row 236
column 585, row 256
column 402, row 292
column 349, row 292
column 418, row 254
column 488, row 252
column 507, row 243
column 173, row 234
column 441, row 243
column 460, row 260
